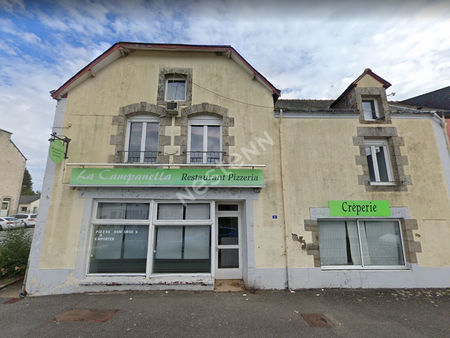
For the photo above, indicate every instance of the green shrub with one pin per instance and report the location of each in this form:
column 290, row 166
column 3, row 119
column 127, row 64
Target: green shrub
column 14, row 252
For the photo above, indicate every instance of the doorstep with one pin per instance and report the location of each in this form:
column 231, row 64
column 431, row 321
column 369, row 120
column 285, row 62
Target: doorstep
column 229, row 285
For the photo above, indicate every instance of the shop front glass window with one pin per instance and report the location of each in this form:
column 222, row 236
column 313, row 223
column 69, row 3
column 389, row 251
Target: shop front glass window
column 122, row 210
column 120, row 248
column 181, row 247
column 178, row 211
column 360, row 243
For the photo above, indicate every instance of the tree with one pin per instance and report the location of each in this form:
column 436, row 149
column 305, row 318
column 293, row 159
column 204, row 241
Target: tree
column 27, row 184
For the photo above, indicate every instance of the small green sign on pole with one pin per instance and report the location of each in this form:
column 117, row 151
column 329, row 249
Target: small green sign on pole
column 57, row 151
column 359, row 208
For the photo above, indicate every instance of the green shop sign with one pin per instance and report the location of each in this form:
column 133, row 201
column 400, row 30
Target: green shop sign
column 57, row 151
column 359, row 208
column 193, row 177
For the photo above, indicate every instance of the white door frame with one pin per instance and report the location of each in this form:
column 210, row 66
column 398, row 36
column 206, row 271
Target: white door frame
column 4, row 212
column 228, row 273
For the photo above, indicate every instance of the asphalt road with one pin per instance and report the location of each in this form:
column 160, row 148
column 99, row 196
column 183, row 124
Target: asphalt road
column 353, row 313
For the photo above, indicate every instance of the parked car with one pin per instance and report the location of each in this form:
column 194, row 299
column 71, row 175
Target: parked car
column 9, row 222
column 26, row 220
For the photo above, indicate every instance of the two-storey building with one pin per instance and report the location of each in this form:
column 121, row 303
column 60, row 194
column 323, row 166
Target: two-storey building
column 185, row 168
column 12, row 167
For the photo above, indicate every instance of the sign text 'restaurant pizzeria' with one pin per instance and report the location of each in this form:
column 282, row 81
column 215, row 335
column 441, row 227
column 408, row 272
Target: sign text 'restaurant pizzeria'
column 219, row 177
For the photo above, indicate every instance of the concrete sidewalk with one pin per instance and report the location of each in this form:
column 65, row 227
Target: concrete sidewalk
column 352, row 313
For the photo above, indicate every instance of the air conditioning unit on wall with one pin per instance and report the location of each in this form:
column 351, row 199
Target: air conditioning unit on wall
column 172, row 105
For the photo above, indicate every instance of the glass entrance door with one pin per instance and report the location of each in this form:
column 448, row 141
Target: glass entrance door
column 228, row 247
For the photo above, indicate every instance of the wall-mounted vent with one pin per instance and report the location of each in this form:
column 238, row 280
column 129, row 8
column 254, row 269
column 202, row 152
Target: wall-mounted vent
column 172, row 105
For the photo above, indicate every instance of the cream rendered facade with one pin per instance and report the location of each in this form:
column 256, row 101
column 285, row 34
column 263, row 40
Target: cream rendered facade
column 308, row 159
column 12, row 167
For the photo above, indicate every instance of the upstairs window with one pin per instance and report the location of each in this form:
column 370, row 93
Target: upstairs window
column 205, row 140
column 370, row 109
column 142, row 140
column 175, row 89
column 378, row 159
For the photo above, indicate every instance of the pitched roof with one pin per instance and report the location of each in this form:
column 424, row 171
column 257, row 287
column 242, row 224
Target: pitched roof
column 439, row 99
column 120, row 49
column 303, row 105
column 17, row 148
column 367, row 71
column 26, row 199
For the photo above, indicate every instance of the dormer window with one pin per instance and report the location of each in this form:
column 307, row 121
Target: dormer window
column 175, row 89
column 370, row 109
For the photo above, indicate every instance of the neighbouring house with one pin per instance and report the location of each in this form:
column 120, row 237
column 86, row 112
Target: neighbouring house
column 185, row 167
column 437, row 101
column 12, row 167
column 29, row 204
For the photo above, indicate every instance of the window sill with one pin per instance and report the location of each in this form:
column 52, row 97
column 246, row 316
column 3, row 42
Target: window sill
column 155, row 279
column 369, row 268
column 390, row 184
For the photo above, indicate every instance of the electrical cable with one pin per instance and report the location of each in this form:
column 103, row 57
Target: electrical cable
column 208, row 90
column 228, row 98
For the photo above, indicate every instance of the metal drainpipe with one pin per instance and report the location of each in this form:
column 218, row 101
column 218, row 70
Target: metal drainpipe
column 283, row 201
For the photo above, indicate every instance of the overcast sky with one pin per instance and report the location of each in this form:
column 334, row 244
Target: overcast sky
column 308, row 51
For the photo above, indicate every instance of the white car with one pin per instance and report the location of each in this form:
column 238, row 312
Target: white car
column 26, row 220
column 9, row 223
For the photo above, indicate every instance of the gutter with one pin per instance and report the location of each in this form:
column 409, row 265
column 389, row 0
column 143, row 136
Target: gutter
column 432, row 113
column 124, row 47
column 443, row 125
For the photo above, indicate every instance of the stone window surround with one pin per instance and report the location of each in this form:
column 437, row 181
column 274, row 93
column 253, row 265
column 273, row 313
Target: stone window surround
column 203, row 109
column 165, row 120
column 377, row 94
column 164, row 73
column 398, row 161
column 411, row 247
column 134, row 109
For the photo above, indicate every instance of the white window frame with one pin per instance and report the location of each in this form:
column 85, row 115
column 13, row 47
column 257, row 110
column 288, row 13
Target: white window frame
column 95, row 221
column 205, row 121
column 229, row 273
column 387, row 158
column 167, row 86
column 5, row 202
column 363, row 266
column 144, row 119
column 201, row 222
column 375, row 104
column 152, row 222
column 5, row 211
